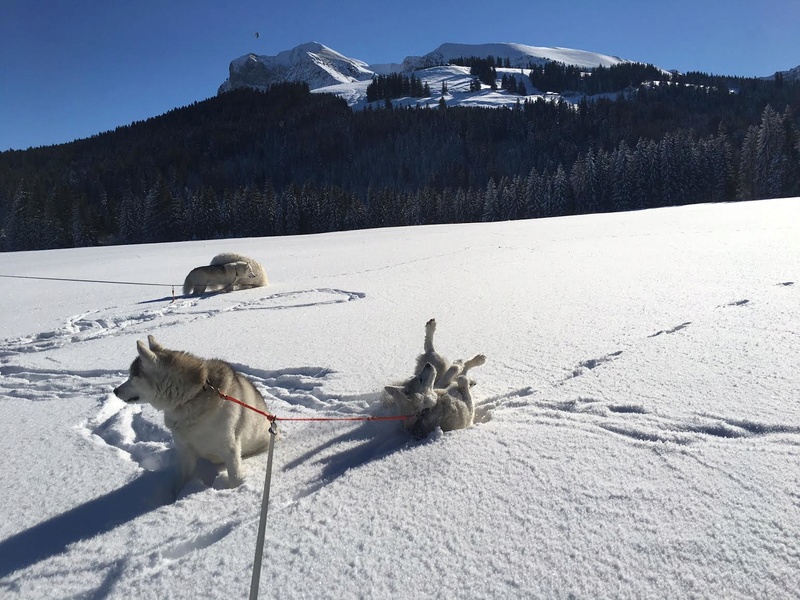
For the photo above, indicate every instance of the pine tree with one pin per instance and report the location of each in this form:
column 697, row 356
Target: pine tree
column 490, row 202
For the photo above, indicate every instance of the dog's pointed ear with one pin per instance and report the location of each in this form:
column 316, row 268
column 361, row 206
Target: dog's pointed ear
column 394, row 391
column 145, row 353
column 154, row 345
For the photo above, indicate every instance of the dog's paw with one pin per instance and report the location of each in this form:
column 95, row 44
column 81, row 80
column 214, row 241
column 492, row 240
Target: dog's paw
column 478, row 360
column 431, row 325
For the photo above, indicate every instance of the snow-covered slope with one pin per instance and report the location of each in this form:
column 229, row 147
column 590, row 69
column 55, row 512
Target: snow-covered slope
column 638, row 429
column 328, row 71
column 317, row 65
column 519, row 55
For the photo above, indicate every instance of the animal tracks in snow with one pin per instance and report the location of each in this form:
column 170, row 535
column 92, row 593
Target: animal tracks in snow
column 591, row 363
column 40, row 384
column 110, row 321
column 637, row 423
column 673, row 330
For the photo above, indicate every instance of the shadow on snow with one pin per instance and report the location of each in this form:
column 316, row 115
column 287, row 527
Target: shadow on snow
column 147, row 492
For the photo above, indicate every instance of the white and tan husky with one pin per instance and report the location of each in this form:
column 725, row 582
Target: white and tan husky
column 226, row 273
column 203, row 425
column 440, row 390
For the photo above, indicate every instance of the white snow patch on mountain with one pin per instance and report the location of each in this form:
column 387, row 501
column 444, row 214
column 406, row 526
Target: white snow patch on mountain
column 328, row 71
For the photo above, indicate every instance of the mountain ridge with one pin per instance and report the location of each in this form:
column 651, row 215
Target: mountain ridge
column 326, row 70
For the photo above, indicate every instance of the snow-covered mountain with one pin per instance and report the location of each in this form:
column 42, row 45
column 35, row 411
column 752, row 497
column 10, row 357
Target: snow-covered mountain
column 326, row 70
column 317, row 65
column 519, row 55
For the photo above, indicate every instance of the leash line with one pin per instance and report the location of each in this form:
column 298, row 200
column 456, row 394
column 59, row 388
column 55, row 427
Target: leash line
column 273, row 418
column 262, row 522
column 90, row 280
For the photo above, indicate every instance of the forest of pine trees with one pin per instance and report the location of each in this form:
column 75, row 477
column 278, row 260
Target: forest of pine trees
column 397, row 85
column 286, row 161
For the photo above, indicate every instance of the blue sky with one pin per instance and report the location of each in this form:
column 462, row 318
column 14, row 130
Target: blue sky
column 71, row 69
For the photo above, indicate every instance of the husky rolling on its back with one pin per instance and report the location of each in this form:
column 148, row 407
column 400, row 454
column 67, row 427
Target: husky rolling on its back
column 430, row 399
column 446, row 371
column 226, row 273
column 453, row 408
column 203, row 425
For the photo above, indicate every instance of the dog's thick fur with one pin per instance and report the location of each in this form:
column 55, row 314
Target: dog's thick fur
column 226, row 273
column 453, row 408
column 431, row 391
column 203, row 425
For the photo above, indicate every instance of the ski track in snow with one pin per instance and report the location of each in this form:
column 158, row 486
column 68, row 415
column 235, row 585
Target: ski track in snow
column 137, row 433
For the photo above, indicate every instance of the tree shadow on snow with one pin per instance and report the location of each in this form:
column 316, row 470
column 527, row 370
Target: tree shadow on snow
column 147, row 492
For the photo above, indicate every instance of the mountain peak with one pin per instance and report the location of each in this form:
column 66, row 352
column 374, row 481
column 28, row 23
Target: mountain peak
column 312, row 62
column 519, row 55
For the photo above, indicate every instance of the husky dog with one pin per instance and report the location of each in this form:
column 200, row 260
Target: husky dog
column 204, row 425
column 452, row 409
column 226, row 273
column 433, row 382
column 258, row 277
column 447, row 371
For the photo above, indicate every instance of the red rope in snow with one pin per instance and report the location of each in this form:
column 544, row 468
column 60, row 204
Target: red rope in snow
column 272, row 418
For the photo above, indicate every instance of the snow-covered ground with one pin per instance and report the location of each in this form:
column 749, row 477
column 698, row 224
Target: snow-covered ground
column 638, row 429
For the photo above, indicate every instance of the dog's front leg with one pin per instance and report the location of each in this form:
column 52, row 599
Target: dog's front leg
column 234, row 464
column 187, row 462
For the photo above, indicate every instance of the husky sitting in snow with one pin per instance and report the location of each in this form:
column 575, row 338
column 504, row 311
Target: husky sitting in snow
column 431, row 393
column 186, row 389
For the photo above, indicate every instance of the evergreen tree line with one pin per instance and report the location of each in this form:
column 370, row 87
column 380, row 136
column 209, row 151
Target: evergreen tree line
column 397, row 85
column 558, row 77
column 287, row 161
column 484, row 69
column 510, row 84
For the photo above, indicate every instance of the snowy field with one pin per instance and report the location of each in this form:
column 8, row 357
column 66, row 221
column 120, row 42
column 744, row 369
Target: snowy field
column 638, row 429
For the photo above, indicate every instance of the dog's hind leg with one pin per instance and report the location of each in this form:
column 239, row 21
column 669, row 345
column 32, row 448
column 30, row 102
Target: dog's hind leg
column 430, row 329
column 430, row 355
column 475, row 361
column 449, row 376
column 463, row 388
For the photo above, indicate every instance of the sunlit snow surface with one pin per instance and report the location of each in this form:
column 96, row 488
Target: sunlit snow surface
column 638, row 427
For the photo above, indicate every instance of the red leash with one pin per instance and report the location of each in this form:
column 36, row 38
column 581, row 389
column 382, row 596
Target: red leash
column 272, row 418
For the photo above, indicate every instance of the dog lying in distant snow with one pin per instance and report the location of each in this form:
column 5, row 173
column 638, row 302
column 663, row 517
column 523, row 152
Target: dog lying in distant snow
column 439, row 395
column 226, row 273
column 203, row 425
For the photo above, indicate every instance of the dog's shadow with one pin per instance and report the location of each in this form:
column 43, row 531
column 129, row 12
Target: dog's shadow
column 147, row 492
column 374, row 441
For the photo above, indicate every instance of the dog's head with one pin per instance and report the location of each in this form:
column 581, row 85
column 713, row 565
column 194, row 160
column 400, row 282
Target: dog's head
column 244, row 270
column 158, row 377
column 416, row 394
